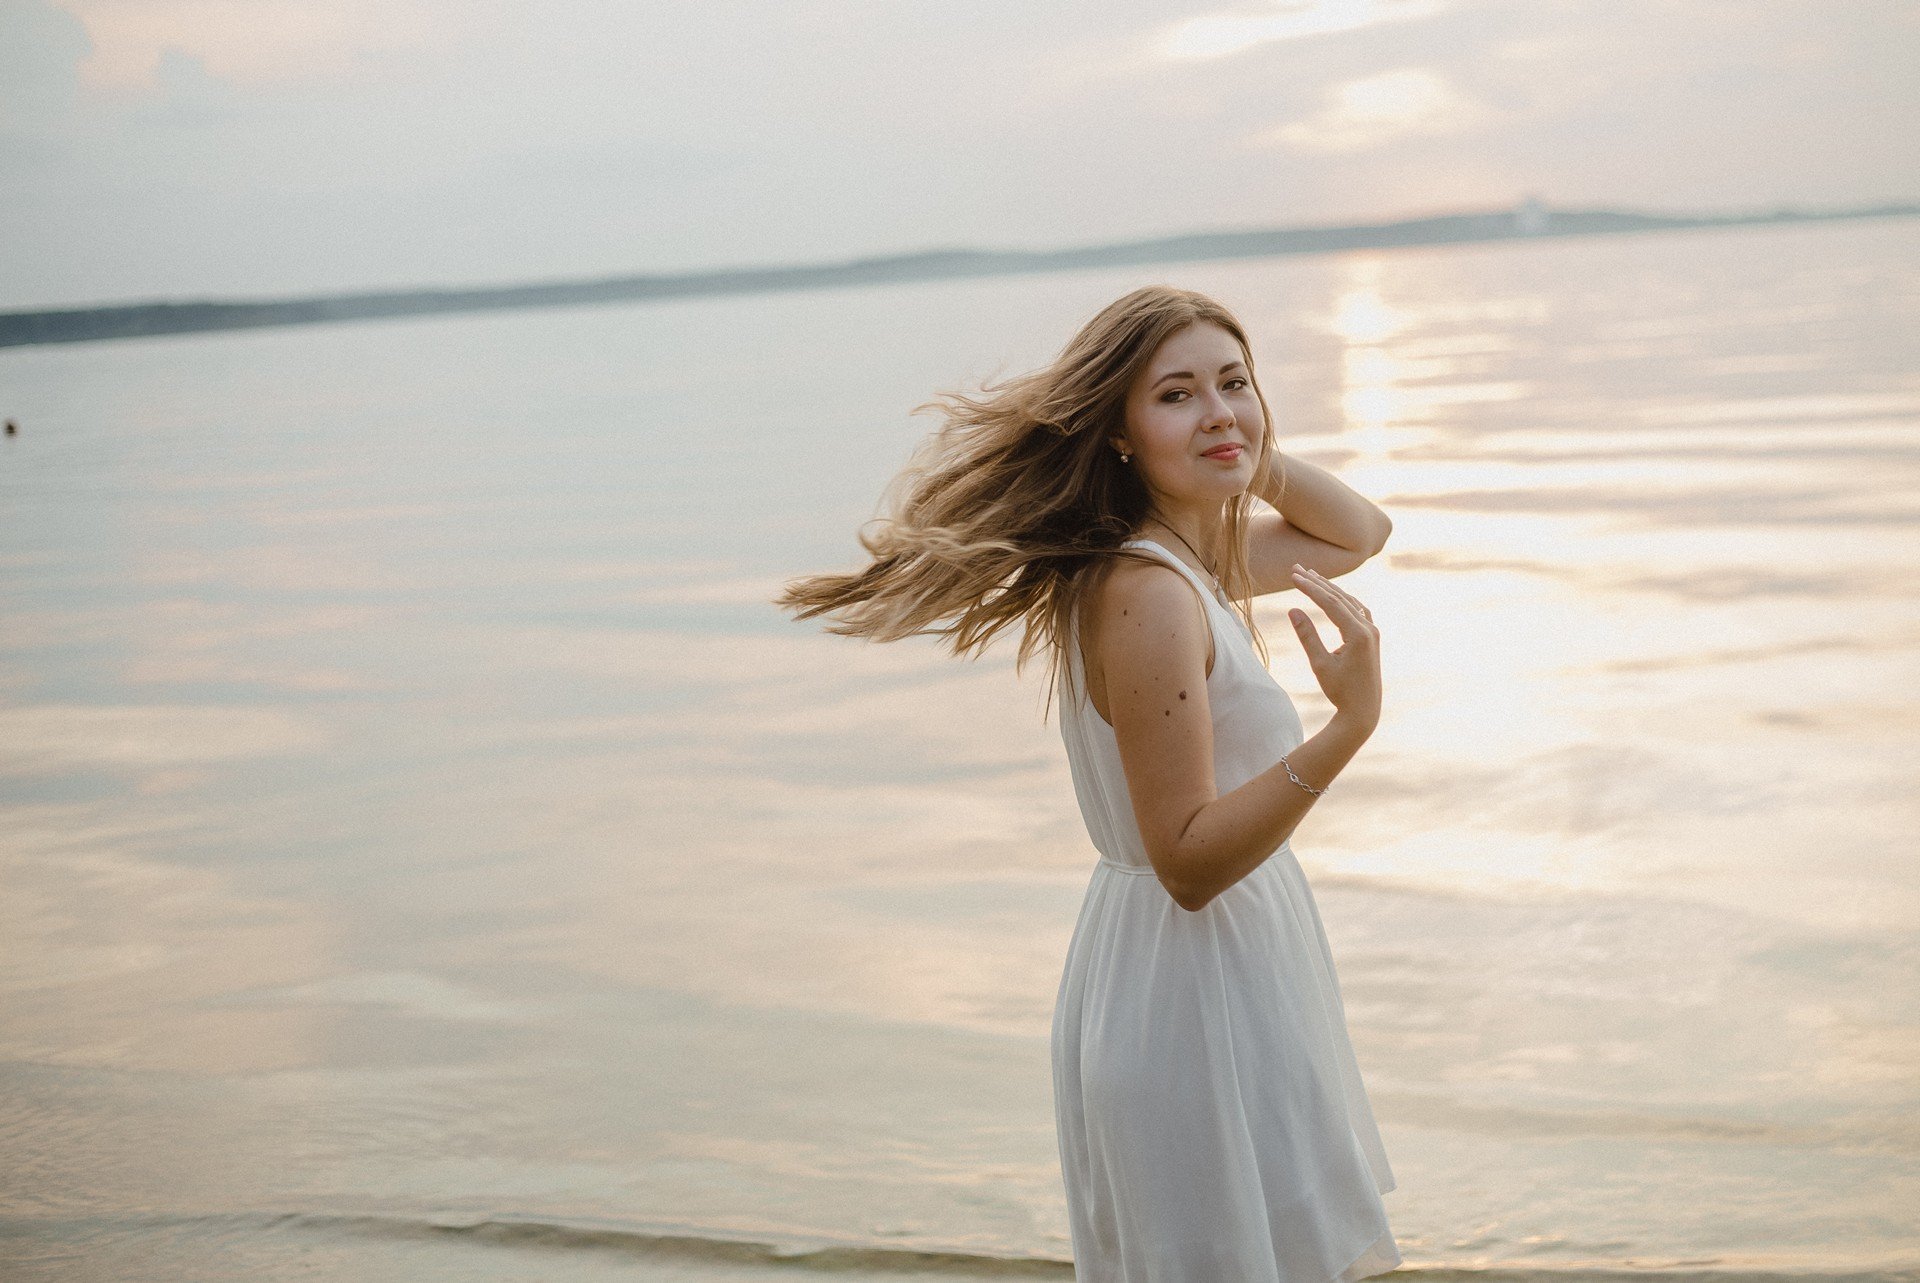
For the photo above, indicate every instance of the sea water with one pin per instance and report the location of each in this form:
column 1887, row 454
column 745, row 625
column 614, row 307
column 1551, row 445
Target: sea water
column 425, row 852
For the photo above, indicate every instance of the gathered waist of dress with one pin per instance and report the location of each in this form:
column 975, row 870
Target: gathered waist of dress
column 1146, row 870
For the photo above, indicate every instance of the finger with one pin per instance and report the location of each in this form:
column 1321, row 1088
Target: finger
column 1353, row 603
column 1359, row 607
column 1309, row 636
column 1330, row 599
column 1353, row 628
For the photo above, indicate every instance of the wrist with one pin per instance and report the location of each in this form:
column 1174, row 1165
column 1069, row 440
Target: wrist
column 1352, row 726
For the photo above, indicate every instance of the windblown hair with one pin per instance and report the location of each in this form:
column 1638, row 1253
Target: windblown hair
column 1018, row 501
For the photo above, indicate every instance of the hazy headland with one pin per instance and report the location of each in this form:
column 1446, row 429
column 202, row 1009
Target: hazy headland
column 1528, row 219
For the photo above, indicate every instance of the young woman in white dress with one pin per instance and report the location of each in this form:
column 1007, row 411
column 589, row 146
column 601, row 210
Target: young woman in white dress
column 1213, row 1125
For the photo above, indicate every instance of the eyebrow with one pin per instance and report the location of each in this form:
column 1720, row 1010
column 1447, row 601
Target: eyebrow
column 1187, row 374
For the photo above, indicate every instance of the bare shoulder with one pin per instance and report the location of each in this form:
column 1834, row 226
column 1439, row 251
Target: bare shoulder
column 1147, row 613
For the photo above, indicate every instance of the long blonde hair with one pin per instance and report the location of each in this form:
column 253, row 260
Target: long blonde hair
column 1018, row 501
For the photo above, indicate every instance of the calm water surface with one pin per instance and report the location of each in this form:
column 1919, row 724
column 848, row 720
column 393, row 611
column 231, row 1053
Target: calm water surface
column 425, row 853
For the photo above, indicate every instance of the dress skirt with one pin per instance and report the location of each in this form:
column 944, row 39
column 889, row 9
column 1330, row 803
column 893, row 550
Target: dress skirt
column 1212, row 1121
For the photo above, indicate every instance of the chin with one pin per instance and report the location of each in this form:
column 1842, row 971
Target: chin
column 1229, row 484
column 1220, row 491
column 1210, row 487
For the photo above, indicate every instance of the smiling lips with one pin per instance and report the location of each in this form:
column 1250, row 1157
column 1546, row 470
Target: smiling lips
column 1228, row 451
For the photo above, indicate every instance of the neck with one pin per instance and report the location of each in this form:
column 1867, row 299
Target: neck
column 1198, row 534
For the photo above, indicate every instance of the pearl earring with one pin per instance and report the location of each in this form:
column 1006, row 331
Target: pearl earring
column 1125, row 457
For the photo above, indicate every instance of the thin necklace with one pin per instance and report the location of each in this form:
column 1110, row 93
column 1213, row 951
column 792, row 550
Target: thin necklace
column 1196, row 553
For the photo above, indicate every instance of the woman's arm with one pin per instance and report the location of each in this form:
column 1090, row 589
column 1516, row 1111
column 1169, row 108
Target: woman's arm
column 1151, row 642
column 1319, row 522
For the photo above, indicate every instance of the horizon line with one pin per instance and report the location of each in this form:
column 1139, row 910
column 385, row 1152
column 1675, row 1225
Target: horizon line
column 1528, row 219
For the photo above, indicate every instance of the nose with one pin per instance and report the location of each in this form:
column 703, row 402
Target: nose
column 1219, row 415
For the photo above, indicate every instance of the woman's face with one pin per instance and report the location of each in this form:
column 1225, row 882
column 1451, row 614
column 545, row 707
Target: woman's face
column 1193, row 419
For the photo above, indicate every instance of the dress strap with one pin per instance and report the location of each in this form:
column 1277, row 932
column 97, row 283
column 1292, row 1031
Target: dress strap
column 1206, row 590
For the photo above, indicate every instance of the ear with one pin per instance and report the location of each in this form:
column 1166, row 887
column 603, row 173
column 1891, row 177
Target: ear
column 1119, row 445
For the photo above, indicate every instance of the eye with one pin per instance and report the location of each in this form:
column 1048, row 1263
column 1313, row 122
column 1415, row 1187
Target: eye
column 1171, row 394
column 1236, row 383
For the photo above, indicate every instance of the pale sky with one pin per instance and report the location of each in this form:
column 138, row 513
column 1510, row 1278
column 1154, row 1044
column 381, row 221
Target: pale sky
column 165, row 148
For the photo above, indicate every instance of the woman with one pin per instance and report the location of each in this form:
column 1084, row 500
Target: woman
column 1213, row 1125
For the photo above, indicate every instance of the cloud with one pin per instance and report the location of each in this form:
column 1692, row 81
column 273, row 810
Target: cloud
column 189, row 95
column 1220, row 35
column 41, row 48
column 247, row 41
column 1373, row 111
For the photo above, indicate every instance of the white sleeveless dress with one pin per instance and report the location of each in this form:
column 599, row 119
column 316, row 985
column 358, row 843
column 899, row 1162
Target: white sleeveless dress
column 1213, row 1126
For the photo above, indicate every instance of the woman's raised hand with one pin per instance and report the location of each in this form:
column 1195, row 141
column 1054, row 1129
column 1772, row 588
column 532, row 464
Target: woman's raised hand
column 1349, row 676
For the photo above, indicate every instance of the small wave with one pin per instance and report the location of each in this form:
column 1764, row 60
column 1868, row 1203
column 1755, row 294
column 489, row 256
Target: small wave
column 699, row 1246
column 1878, row 1136
column 685, row 1245
column 691, row 1246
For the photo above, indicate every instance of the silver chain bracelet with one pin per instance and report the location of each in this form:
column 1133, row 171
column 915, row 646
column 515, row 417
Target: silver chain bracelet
column 1302, row 783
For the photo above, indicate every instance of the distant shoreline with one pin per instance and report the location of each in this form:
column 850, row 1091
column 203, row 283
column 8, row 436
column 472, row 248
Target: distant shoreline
column 1530, row 220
